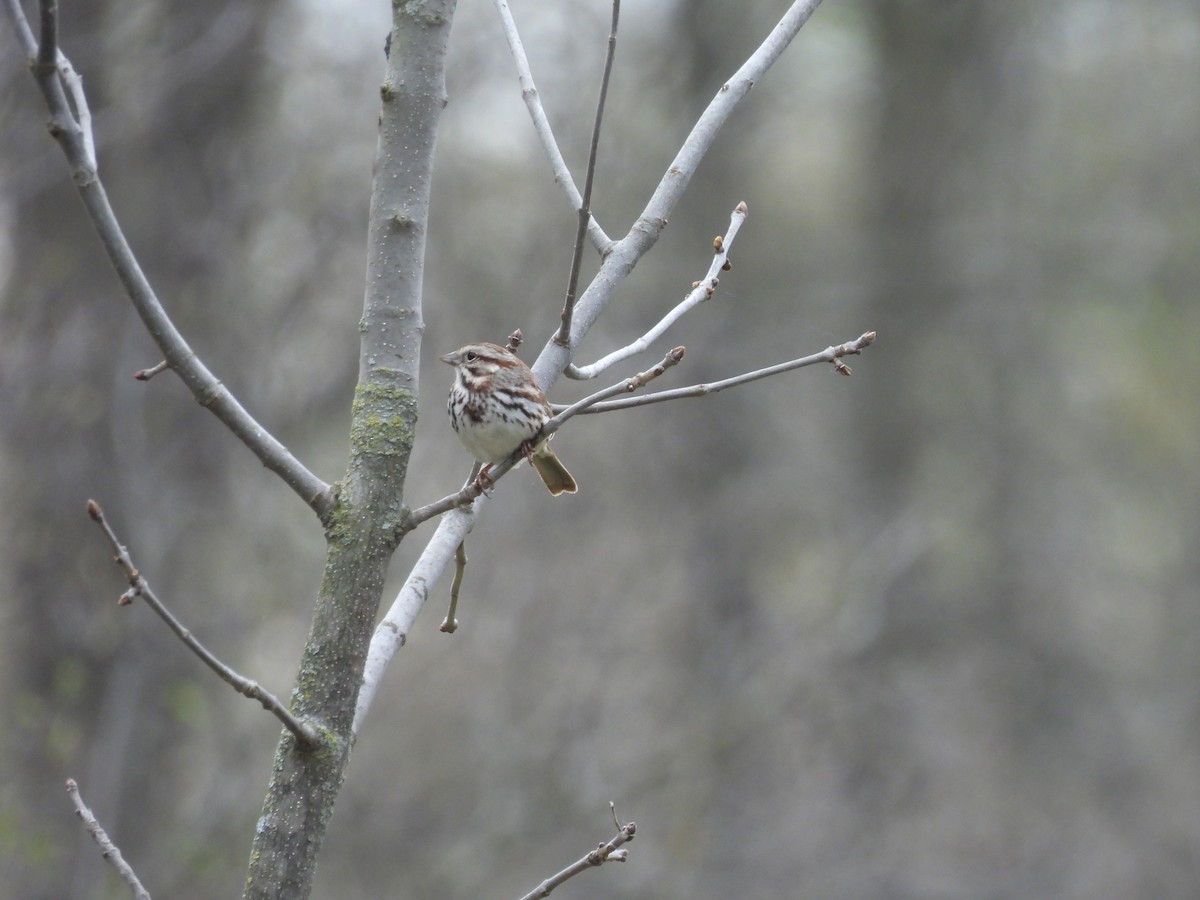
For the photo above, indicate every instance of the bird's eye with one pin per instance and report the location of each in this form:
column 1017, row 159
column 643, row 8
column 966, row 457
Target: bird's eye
column 471, row 354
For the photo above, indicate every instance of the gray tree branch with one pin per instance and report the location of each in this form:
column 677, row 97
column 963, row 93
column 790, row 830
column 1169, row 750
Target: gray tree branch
column 365, row 526
column 140, row 587
column 108, row 849
column 71, row 128
column 607, row 852
column 832, row 355
column 541, row 124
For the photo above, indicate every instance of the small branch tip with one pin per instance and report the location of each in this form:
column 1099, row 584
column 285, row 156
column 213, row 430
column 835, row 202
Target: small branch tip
column 147, row 374
column 94, row 510
column 515, row 340
column 742, row 208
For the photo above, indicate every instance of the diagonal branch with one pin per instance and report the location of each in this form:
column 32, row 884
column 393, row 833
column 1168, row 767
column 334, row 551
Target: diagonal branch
column 701, row 291
column 598, row 857
column 139, row 587
column 625, row 253
column 108, row 849
column 831, row 355
column 52, row 70
column 541, row 124
column 585, row 210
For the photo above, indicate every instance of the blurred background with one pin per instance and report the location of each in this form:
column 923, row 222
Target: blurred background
column 929, row 631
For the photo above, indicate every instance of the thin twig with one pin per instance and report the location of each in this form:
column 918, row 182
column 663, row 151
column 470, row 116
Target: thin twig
column 701, row 291
column 108, row 849
column 541, row 124
column 48, row 46
column 71, row 128
column 458, row 500
column 147, row 374
column 139, row 587
column 830, row 355
column 628, row 386
column 563, row 337
column 602, row 854
column 450, row 623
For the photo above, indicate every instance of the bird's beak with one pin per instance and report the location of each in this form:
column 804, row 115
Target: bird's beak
column 451, row 358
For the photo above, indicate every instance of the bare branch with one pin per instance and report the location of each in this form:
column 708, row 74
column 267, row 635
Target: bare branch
column 831, row 355
column 392, row 631
column 72, row 130
column 541, row 124
column 139, row 587
column 48, row 47
column 22, row 30
column 585, row 210
column 598, row 857
column 629, row 385
column 619, row 260
column 450, row 623
column 701, row 291
column 108, row 849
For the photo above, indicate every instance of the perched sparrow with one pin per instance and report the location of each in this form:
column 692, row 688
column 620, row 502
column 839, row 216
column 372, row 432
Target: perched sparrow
column 496, row 406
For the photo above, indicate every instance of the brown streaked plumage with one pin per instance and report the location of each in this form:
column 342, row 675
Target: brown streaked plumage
column 496, row 406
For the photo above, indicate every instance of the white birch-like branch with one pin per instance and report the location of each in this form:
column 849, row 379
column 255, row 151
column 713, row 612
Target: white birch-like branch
column 541, row 124
column 392, row 631
column 701, row 291
column 618, row 263
column 625, row 253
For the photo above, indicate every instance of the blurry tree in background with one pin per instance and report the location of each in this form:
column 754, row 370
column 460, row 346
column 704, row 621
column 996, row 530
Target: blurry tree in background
column 932, row 630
